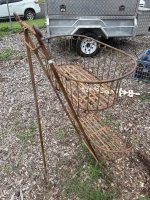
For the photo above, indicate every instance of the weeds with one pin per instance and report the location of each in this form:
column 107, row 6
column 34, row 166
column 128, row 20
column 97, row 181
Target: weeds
column 60, row 133
column 7, row 168
column 7, row 31
column 6, row 54
column 9, row 54
column 109, row 121
column 84, row 148
column 26, row 134
column 145, row 98
column 94, row 170
column 10, row 167
column 83, row 184
column 143, row 198
column 86, row 191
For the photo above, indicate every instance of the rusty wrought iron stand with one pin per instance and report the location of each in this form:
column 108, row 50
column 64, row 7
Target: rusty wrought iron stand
column 84, row 86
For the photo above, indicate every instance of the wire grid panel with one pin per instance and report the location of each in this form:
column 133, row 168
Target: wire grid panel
column 109, row 142
column 92, row 83
column 142, row 72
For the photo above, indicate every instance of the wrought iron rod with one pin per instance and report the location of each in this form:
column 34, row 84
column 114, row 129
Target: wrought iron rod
column 36, row 101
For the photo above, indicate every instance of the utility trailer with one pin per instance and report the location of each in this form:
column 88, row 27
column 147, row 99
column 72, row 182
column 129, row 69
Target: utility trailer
column 97, row 19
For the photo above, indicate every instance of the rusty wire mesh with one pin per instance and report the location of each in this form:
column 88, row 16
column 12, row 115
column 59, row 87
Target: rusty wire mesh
column 91, row 83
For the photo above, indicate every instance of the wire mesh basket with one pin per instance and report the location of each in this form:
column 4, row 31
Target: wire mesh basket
column 91, row 82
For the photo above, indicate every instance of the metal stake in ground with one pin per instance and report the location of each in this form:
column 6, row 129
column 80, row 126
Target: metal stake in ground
column 36, row 102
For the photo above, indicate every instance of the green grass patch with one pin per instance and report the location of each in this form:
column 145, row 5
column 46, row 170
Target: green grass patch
column 143, row 198
column 5, row 28
column 15, row 25
column 76, row 187
column 84, row 148
column 145, row 98
column 26, row 133
column 8, row 168
column 9, row 54
column 93, row 168
column 107, row 120
column 87, row 182
column 6, row 54
column 41, row 1
column 60, row 133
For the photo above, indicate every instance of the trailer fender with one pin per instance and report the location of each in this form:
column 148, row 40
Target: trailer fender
column 97, row 30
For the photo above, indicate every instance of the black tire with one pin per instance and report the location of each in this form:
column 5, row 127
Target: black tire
column 88, row 47
column 29, row 14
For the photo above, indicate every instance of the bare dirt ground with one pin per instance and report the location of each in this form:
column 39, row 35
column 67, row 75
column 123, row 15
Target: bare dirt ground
column 21, row 167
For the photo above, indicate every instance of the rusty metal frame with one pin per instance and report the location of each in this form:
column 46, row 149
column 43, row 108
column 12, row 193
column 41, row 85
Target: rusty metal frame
column 30, row 47
column 82, row 124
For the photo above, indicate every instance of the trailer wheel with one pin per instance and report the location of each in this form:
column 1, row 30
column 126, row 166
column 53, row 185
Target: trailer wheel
column 87, row 47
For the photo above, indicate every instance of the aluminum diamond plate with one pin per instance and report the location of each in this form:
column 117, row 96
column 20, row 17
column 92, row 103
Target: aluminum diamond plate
column 92, row 7
column 143, row 22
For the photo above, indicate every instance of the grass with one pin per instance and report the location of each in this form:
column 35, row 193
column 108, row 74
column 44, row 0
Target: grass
column 26, row 133
column 41, row 1
column 84, row 148
column 145, row 98
column 9, row 54
column 60, row 133
column 109, row 121
column 8, row 168
column 94, row 170
column 6, row 54
column 15, row 24
column 143, row 198
column 86, row 191
column 83, row 183
column 6, row 30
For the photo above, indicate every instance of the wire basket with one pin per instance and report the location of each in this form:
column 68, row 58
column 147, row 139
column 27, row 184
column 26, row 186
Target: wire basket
column 91, row 82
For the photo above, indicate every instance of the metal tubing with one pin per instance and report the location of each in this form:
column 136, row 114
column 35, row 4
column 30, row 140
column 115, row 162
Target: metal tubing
column 36, row 102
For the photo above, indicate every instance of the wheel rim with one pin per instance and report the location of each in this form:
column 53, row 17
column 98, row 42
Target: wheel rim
column 30, row 16
column 88, row 46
